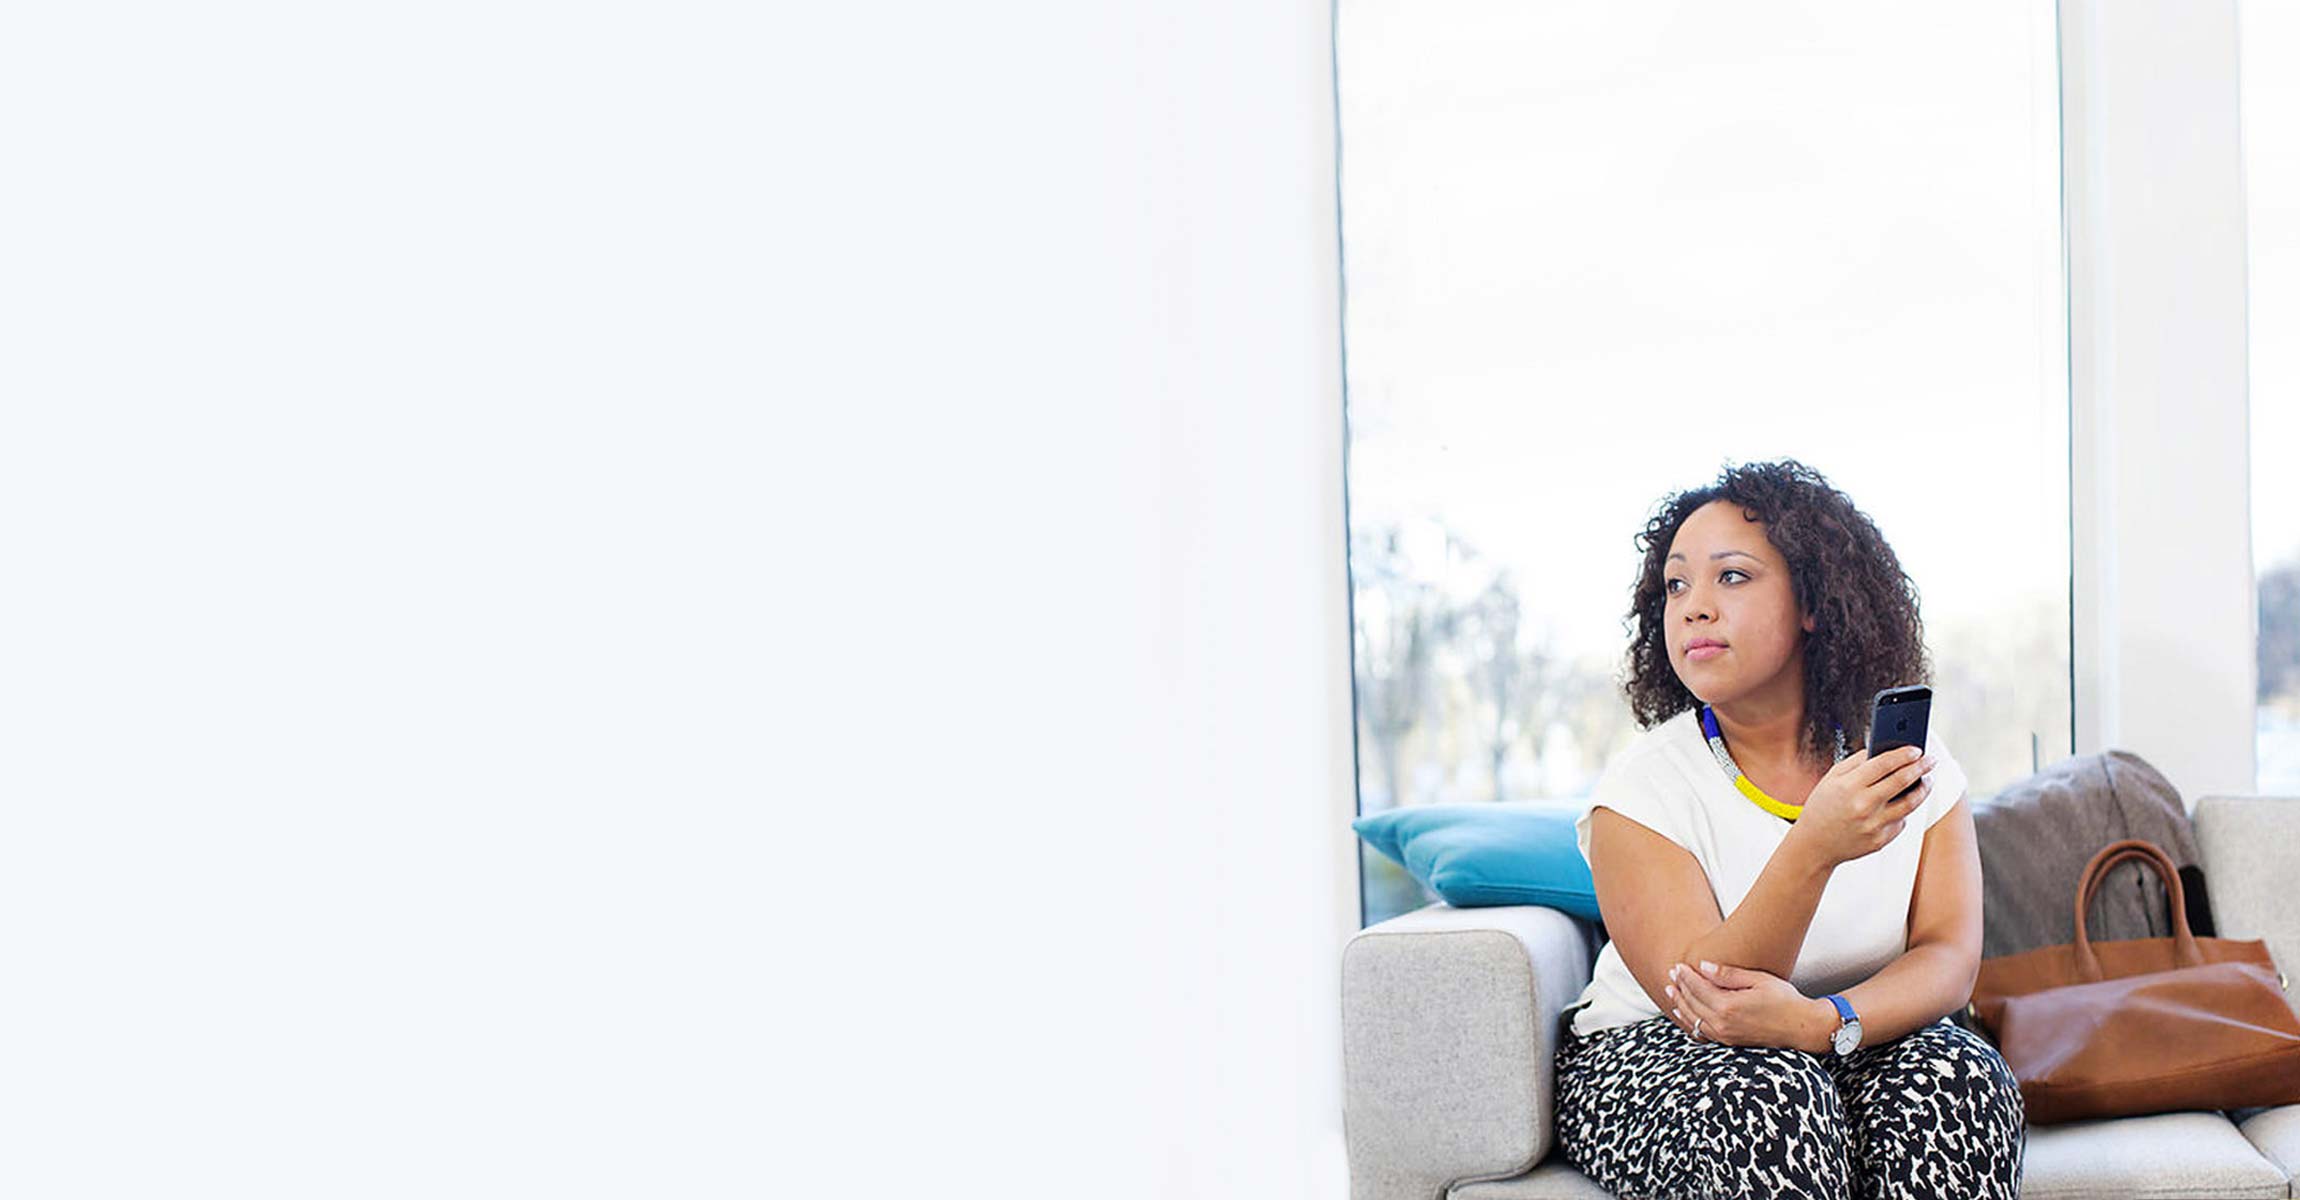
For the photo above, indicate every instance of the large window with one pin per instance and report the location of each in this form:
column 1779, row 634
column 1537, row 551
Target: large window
column 2271, row 123
column 1591, row 255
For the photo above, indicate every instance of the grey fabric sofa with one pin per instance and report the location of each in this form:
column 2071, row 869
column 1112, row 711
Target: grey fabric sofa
column 1450, row 1024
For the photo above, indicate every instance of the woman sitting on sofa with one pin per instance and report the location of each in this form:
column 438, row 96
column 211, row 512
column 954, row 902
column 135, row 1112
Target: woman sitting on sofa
column 1792, row 921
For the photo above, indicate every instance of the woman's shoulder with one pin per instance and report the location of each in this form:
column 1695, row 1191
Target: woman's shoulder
column 1647, row 774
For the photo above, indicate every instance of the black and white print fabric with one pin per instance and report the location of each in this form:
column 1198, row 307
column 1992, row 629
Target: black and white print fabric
column 1650, row 1113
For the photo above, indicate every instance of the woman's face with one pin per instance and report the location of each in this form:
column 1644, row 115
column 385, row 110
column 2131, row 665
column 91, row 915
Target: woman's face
column 1723, row 581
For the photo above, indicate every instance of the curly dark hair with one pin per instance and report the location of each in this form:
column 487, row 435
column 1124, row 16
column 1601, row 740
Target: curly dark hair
column 1867, row 633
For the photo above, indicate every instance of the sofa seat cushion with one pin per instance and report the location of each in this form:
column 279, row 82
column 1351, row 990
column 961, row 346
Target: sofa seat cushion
column 2178, row 1156
column 2276, row 1133
column 1554, row 1179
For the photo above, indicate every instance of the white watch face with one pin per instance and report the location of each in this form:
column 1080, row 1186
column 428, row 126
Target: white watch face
column 1847, row 1036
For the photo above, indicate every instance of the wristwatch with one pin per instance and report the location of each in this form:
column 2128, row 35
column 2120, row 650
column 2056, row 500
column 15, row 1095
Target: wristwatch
column 1848, row 1032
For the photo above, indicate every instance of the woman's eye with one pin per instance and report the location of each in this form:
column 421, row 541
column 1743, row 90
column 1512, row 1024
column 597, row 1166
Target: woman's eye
column 1669, row 586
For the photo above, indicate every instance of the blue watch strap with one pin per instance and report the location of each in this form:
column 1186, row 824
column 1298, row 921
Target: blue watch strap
column 1844, row 1007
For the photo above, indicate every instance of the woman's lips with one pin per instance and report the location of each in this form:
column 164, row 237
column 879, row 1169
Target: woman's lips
column 1704, row 653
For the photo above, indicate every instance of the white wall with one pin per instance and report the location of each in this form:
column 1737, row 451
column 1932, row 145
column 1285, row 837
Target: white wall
column 2165, row 608
column 672, row 600
column 1103, row 502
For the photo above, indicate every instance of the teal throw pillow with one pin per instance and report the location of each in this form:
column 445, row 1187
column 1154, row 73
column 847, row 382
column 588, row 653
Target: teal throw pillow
column 1480, row 855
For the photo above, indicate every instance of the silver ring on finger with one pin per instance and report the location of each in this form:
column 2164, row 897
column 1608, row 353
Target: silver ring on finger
column 1697, row 1028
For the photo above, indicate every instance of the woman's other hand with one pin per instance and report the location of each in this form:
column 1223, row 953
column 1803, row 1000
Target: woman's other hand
column 1741, row 1006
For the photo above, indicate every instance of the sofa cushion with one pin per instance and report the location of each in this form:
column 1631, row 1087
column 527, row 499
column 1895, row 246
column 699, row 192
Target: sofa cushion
column 1484, row 855
column 2181, row 1155
column 2247, row 843
column 2276, row 1133
column 1554, row 1179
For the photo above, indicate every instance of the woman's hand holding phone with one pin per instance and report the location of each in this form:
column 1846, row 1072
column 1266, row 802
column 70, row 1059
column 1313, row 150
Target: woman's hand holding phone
column 1853, row 812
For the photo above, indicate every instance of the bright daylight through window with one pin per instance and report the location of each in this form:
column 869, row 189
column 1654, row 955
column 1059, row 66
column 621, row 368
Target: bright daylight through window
column 1591, row 255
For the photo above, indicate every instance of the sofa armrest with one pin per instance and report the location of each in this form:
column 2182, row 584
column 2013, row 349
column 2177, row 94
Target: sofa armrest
column 1449, row 1036
column 2251, row 851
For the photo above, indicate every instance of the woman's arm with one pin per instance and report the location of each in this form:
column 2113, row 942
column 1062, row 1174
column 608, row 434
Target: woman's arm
column 1660, row 909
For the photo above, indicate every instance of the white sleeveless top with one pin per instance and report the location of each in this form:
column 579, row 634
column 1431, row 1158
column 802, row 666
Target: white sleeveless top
column 1669, row 781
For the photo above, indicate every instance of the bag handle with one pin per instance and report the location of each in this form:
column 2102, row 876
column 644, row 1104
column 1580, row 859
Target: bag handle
column 2184, row 948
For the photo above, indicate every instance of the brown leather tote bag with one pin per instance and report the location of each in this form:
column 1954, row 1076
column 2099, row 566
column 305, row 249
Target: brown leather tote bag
column 2144, row 1025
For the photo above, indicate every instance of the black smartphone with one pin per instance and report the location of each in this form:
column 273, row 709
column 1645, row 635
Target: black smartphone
column 1897, row 718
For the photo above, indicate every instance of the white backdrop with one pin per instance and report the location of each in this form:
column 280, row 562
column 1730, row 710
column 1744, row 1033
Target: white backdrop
column 682, row 600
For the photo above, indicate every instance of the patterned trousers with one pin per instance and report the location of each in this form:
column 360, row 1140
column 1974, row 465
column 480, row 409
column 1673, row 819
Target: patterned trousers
column 1647, row 1111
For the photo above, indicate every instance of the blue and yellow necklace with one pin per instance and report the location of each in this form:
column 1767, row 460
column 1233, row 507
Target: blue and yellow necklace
column 1787, row 812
